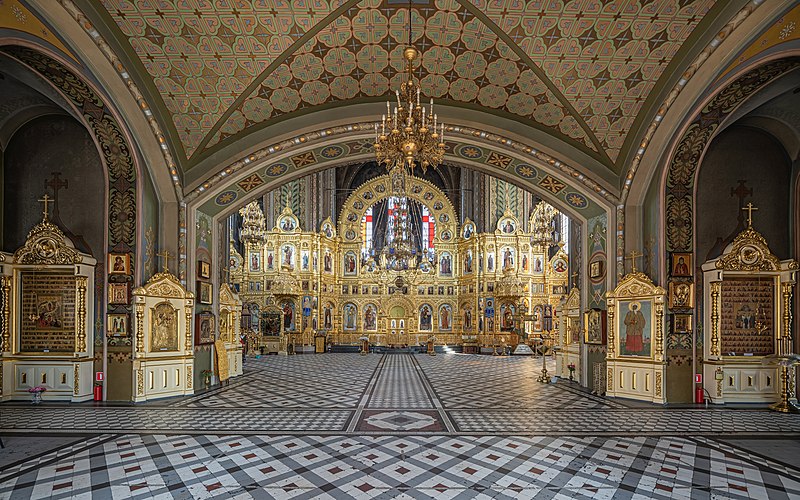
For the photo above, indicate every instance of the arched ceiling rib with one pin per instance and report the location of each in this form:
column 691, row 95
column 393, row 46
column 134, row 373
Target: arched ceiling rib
column 582, row 71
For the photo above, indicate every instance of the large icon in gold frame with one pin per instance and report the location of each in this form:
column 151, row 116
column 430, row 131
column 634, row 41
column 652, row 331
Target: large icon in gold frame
column 635, row 327
column 163, row 328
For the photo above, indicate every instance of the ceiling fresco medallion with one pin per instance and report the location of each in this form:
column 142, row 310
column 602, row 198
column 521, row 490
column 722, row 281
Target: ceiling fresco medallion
column 226, row 198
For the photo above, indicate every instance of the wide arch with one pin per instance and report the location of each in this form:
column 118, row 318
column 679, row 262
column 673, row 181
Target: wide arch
column 379, row 188
column 113, row 145
column 523, row 165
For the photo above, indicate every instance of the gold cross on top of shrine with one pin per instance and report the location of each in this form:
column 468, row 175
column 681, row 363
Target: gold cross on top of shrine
column 632, row 256
column 46, row 200
column 749, row 208
column 165, row 255
column 575, row 278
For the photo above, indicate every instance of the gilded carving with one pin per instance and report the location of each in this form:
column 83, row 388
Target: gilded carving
column 750, row 252
column 716, row 291
column 188, row 345
column 6, row 335
column 76, row 389
column 658, row 384
column 610, row 380
column 189, row 377
column 786, row 347
column 80, row 322
column 140, row 382
column 47, row 245
column 163, row 284
column 139, row 327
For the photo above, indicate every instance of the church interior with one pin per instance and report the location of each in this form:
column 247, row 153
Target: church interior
column 399, row 249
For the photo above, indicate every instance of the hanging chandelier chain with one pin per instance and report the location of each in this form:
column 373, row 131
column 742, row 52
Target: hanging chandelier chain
column 409, row 134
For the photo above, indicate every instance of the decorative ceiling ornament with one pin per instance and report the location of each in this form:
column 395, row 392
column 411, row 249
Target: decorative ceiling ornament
column 254, row 225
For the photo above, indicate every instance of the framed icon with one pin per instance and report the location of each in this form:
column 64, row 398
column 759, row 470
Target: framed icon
column 596, row 269
column 204, row 328
column 203, row 269
column 204, row 291
column 681, row 295
column 117, row 325
column 119, row 263
column 681, row 264
column 682, row 323
column 634, row 324
column 595, row 326
column 119, row 293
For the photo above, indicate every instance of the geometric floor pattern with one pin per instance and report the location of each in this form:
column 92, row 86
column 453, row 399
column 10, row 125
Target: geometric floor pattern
column 146, row 466
column 396, row 426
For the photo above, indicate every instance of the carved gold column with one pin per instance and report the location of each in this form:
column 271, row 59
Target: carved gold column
column 786, row 289
column 659, row 350
column 140, row 382
column 5, row 341
column 140, row 328
column 612, row 305
column 716, row 291
column 80, row 322
column 188, row 328
column 610, row 350
column 786, row 344
column 76, row 386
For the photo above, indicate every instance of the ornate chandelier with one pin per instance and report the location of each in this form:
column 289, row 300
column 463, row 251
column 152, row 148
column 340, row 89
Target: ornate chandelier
column 543, row 217
column 401, row 250
column 407, row 135
column 410, row 134
column 254, row 228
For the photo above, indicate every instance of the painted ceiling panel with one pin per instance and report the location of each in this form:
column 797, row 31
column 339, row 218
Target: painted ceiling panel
column 604, row 56
column 359, row 55
column 201, row 55
column 579, row 70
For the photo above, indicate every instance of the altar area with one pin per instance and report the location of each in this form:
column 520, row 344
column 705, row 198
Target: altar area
column 463, row 287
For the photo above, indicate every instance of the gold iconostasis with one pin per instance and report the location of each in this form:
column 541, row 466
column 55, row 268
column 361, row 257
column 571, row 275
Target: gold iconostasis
column 461, row 286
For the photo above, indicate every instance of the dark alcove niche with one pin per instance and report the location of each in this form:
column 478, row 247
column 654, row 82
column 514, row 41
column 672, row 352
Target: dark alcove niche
column 53, row 143
column 756, row 157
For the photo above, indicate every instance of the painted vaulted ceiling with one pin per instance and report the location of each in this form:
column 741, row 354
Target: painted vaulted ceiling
column 585, row 72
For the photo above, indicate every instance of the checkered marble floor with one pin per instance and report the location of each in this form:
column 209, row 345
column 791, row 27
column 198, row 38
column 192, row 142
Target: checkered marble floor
column 396, row 426
column 283, row 466
column 472, row 382
column 295, row 382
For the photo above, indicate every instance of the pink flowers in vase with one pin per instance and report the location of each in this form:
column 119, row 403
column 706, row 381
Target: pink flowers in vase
column 36, row 392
